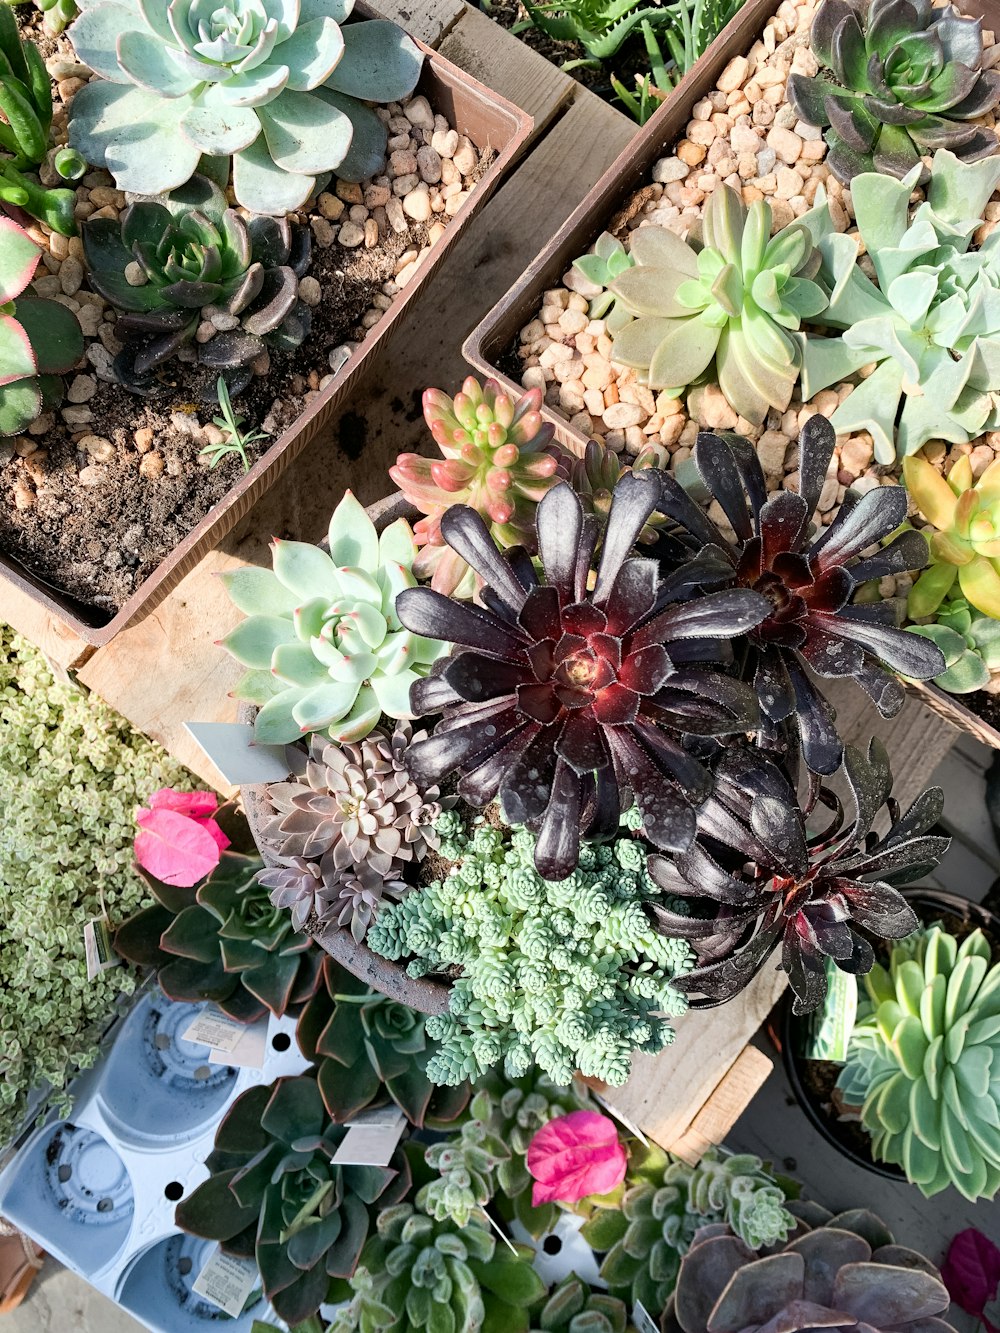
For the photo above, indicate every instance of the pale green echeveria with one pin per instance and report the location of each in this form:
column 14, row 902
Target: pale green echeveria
column 322, row 644
column 601, row 266
column 970, row 643
column 734, row 302
column 931, row 325
column 278, row 85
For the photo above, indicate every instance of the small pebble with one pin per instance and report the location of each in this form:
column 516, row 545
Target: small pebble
column 310, row 291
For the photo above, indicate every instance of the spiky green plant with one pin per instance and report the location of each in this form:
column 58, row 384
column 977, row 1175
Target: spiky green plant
column 725, row 311
column 924, row 1063
column 599, row 26
column 964, row 516
column 970, row 642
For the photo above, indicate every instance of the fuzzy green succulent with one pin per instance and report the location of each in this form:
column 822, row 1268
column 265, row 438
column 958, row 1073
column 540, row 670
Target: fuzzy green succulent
column 275, row 1194
column 964, row 516
column 601, row 266
column 370, row 1051
column 573, row 1308
column 497, row 460
column 924, row 1063
column 567, row 974
column 725, row 310
column 931, row 324
column 970, row 642
column 908, row 79
column 279, row 85
column 324, row 648
column 465, row 1165
column 420, row 1274
column 224, row 942
column 167, row 264
column 645, row 1235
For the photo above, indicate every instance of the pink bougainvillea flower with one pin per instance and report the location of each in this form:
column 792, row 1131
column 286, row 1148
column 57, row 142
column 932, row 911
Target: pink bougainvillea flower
column 179, row 841
column 971, row 1272
column 575, row 1155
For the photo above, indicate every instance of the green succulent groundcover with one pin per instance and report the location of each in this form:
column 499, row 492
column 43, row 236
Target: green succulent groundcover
column 72, row 773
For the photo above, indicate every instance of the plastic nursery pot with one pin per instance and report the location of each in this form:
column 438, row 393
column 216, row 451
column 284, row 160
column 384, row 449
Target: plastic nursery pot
column 486, row 118
column 423, row 993
column 786, row 1031
column 158, row 1289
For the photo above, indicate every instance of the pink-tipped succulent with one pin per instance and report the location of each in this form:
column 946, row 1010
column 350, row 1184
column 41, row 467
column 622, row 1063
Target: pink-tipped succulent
column 498, row 460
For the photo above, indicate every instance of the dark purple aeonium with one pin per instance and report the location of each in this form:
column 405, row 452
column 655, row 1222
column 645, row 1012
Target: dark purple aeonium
column 809, row 583
column 566, row 702
column 756, row 875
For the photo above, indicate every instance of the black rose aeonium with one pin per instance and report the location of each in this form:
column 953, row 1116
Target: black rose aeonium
column 568, row 703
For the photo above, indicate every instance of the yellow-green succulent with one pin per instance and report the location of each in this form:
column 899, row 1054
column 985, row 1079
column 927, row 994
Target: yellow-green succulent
column 966, row 544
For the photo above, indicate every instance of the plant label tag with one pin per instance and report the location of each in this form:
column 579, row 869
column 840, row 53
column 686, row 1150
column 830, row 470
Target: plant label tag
column 830, row 1027
column 377, row 1116
column 227, row 1282
column 643, row 1320
column 369, row 1143
column 250, row 1049
column 99, row 950
column 215, row 1029
column 238, row 757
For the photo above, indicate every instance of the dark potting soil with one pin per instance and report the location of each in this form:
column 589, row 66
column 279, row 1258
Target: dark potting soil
column 986, row 706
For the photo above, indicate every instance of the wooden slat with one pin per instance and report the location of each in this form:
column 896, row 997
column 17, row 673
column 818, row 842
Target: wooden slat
column 427, row 19
column 58, row 642
column 729, row 1099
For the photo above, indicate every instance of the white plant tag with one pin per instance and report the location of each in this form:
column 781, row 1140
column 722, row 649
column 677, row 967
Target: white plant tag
column 370, row 1139
column 238, row 757
column 99, row 950
column 227, row 1282
column 250, row 1050
column 643, row 1320
column 215, row 1029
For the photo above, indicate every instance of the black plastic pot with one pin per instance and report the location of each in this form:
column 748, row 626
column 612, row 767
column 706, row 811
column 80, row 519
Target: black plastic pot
column 960, row 916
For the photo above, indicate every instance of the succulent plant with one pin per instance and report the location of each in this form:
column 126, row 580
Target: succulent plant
column 355, row 810
column 497, row 460
column 599, row 26
column 280, row 86
column 909, row 80
column 964, row 514
column 760, row 876
column 924, row 1063
column 465, row 1181
column 370, row 1051
column 167, row 264
column 222, row 942
column 809, row 584
column 595, row 473
column 39, row 339
column 422, row 1274
column 276, row 1195
column 26, row 103
column 646, row 1233
column 568, row 975
column 568, row 703
column 930, row 326
column 573, row 1308
column 602, row 266
column 970, row 643
column 323, row 644
column 846, row 1273
column 733, row 303
column 58, row 13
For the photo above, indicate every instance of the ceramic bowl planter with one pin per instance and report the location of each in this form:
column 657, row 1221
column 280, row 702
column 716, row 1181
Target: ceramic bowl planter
column 495, row 127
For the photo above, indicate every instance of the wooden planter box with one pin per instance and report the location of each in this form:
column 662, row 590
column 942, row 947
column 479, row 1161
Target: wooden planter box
column 489, row 121
column 489, row 344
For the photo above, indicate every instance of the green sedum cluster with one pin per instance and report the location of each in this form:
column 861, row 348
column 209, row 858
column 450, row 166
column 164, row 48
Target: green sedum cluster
column 567, row 974
column 647, row 1233
column 79, row 771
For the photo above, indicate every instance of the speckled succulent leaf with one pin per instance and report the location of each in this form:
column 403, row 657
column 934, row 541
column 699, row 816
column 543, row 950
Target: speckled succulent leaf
column 964, row 517
column 733, row 304
column 232, row 79
column 922, row 1064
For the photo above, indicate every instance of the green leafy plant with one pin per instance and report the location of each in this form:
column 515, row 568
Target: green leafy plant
column 970, row 642
column 58, row 13
column 79, row 771
column 465, row 1181
column 324, row 648
column 695, row 25
column 280, row 90
column 599, row 26
column 964, row 514
column 645, row 1234
column 924, row 1063
column 26, row 103
column 420, row 1274
column 601, row 266
column 909, row 80
column 275, row 1194
column 573, row 1308
column 731, row 305
column 497, row 460
column 166, row 261
column 236, row 442
column 39, row 339
column 930, row 325
column 223, row 941
column 845, row 1273
column 370, row 1051
column 567, row 974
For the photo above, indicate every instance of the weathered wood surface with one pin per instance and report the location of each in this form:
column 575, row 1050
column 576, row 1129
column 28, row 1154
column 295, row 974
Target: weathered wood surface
column 64, row 649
